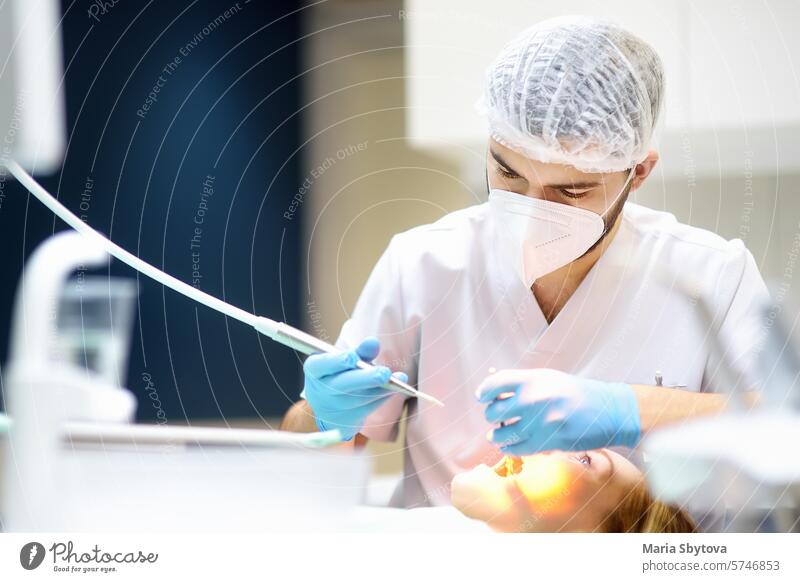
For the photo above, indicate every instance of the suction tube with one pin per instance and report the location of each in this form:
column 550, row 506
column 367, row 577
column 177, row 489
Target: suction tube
column 277, row 331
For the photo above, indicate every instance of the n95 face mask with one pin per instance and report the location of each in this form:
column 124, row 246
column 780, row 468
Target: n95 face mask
column 537, row 237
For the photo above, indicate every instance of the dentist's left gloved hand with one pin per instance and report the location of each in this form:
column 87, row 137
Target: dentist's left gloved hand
column 551, row 410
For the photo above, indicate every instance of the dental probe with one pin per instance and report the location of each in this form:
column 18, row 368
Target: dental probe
column 277, row 331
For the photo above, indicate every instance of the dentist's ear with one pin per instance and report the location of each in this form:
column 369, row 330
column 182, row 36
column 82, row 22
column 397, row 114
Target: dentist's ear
column 643, row 169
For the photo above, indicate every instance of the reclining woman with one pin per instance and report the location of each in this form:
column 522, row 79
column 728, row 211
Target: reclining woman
column 592, row 491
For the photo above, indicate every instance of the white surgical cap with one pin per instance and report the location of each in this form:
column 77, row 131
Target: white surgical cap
column 575, row 91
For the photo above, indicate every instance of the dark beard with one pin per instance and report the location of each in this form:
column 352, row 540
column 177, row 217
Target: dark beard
column 611, row 219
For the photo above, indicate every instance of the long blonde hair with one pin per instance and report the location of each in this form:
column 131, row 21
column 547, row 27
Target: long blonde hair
column 640, row 512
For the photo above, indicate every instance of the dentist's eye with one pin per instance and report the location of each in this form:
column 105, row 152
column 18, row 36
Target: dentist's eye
column 585, row 460
column 574, row 193
column 507, row 174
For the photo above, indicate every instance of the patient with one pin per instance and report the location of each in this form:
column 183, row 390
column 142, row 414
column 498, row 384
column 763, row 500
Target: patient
column 593, row 491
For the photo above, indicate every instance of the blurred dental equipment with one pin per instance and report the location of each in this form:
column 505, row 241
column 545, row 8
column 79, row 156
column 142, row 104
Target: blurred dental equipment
column 742, row 465
column 94, row 321
column 276, row 331
column 31, row 84
column 72, row 454
column 71, row 460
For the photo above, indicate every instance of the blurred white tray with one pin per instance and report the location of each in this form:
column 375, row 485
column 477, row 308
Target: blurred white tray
column 85, row 432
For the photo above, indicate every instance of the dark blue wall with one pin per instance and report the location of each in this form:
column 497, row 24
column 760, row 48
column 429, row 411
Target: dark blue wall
column 226, row 115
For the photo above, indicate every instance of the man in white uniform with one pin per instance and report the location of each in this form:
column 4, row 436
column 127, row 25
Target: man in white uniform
column 604, row 318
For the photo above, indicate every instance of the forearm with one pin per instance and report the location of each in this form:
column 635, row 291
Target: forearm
column 300, row 418
column 659, row 406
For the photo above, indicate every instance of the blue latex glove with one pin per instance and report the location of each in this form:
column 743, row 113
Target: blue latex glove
column 340, row 394
column 551, row 410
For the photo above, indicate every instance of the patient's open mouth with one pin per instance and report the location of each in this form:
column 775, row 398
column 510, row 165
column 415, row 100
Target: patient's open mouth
column 508, row 465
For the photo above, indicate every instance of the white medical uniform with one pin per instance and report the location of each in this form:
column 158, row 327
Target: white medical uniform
column 446, row 309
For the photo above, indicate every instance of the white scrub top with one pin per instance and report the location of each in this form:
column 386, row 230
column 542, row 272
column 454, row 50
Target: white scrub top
column 446, row 309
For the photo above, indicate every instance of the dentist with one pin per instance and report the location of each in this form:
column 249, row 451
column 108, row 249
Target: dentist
column 592, row 307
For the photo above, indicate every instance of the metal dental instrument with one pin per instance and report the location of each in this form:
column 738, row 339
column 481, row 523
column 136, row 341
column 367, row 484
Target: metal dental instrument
column 308, row 344
column 275, row 330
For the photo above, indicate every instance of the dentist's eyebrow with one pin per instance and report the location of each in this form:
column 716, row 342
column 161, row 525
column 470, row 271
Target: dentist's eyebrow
column 574, row 185
column 503, row 163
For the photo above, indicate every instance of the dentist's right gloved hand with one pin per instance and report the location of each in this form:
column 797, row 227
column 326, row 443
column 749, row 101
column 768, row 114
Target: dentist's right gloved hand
column 342, row 395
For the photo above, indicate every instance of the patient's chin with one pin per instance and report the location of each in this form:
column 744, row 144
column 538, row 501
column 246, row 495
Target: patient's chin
column 482, row 494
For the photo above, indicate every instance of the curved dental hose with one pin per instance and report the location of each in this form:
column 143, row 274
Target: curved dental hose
column 275, row 330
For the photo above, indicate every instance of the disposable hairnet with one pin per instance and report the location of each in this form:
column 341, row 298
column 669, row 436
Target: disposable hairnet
column 576, row 91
